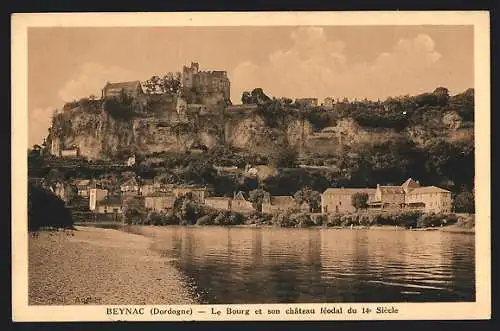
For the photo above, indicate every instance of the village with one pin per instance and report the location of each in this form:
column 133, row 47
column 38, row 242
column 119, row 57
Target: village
column 102, row 198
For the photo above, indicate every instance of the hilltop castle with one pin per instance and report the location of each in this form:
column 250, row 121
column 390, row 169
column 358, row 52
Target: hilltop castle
column 209, row 86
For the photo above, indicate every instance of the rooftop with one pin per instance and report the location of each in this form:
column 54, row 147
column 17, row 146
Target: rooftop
column 389, row 189
column 341, row 191
column 124, row 85
column 428, row 189
column 282, row 200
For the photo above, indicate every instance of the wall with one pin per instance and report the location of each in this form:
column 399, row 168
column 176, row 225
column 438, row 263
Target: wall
column 218, row 203
column 434, row 201
column 340, row 202
column 241, row 206
column 96, row 195
column 161, row 203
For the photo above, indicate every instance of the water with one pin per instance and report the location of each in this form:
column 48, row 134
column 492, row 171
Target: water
column 268, row 265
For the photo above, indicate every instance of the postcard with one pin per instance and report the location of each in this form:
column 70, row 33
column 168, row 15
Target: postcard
column 251, row 166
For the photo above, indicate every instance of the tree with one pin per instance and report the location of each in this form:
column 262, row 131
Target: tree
column 464, row 202
column 360, row 200
column 46, row 210
column 285, row 158
column 246, row 98
column 442, row 95
column 256, row 197
column 313, row 198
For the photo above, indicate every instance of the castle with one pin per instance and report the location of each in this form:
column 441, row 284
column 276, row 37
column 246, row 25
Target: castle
column 205, row 87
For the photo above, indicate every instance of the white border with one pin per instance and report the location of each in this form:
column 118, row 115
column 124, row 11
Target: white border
column 481, row 309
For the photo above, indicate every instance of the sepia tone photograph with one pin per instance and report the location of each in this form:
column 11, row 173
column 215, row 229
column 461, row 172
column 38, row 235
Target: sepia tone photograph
column 240, row 164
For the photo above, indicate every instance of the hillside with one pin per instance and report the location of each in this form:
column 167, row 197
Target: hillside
column 352, row 143
column 101, row 131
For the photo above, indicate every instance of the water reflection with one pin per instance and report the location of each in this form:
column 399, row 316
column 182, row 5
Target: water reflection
column 248, row 265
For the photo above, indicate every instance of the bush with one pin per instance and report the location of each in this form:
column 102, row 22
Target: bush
column 283, row 220
column 228, row 218
column 430, row 220
column 205, row 220
column 46, row 210
column 334, row 220
column 302, row 220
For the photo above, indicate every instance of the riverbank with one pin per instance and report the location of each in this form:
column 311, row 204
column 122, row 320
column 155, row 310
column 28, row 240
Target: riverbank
column 101, row 266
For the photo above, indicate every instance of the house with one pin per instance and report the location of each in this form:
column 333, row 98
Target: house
column 160, row 202
column 429, row 199
column 274, row 204
column 240, row 204
column 222, row 203
column 131, row 89
column 409, row 185
column 198, row 193
column 70, row 152
column 96, row 195
column 388, row 196
column 130, row 187
column 110, row 205
column 82, row 187
column 329, row 102
column 131, row 161
column 339, row 200
column 409, row 195
column 148, row 187
column 307, row 102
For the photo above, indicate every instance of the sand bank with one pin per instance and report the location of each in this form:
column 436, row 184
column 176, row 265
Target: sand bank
column 101, row 266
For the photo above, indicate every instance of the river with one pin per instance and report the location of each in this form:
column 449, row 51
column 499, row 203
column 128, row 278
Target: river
column 276, row 265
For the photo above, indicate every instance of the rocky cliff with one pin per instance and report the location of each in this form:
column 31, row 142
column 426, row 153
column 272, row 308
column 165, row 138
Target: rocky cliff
column 98, row 135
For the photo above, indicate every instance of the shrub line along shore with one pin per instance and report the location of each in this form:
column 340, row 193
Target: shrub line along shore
column 95, row 266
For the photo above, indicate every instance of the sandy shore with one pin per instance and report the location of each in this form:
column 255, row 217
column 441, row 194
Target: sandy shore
column 101, row 266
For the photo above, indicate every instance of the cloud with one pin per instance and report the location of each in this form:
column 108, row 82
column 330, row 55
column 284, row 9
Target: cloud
column 39, row 120
column 317, row 66
column 90, row 79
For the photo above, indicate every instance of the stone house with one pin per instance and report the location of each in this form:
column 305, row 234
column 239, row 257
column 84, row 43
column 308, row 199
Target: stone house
column 82, row 187
column 410, row 195
column 132, row 89
column 240, row 204
column 70, row 152
column 130, row 187
column 389, row 196
column 198, row 193
column 429, row 199
column 110, row 205
column 148, row 187
column 160, row 202
column 222, row 203
column 96, row 195
column 275, row 204
column 339, row 200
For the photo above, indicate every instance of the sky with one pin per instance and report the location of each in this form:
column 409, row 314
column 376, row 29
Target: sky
column 373, row 62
